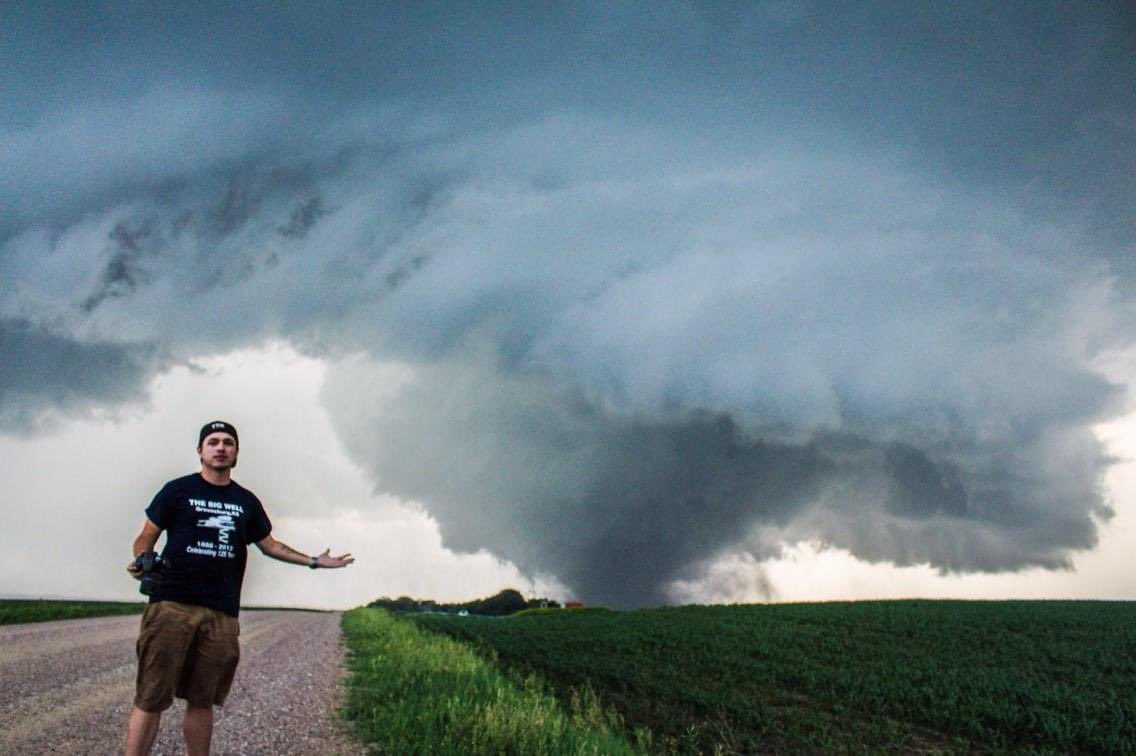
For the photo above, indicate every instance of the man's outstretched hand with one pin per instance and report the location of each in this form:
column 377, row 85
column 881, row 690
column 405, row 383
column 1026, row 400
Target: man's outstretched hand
column 326, row 561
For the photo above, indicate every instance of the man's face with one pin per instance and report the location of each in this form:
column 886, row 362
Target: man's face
column 218, row 451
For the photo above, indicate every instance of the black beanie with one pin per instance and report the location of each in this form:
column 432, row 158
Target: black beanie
column 217, row 426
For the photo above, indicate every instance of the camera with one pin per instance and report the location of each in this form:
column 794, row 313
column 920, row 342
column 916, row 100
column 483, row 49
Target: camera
column 153, row 567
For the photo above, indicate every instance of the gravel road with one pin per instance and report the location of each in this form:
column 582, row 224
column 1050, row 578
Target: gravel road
column 68, row 686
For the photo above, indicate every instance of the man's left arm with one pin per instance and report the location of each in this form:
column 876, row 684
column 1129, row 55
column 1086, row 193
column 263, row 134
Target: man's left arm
column 270, row 547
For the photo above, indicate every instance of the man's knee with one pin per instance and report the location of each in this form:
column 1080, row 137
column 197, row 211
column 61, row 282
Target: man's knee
column 198, row 714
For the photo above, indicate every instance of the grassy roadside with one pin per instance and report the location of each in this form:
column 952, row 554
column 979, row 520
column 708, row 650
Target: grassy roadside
column 15, row 611
column 413, row 692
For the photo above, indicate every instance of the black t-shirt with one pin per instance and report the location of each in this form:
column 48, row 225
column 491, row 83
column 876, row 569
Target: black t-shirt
column 208, row 529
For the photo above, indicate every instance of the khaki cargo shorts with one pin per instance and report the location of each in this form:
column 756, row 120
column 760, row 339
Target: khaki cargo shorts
column 188, row 651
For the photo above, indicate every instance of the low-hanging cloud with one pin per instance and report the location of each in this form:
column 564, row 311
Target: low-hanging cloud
column 620, row 419
column 45, row 376
column 635, row 332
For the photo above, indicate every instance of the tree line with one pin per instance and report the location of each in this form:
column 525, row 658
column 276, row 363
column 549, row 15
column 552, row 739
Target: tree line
column 501, row 604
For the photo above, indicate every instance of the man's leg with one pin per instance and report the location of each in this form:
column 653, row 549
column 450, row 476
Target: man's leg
column 210, row 670
column 198, row 729
column 141, row 731
column 164, row 638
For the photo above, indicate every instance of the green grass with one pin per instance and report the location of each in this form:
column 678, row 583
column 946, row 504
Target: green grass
column 413, row 692
column 13, row 611
column 901, row 676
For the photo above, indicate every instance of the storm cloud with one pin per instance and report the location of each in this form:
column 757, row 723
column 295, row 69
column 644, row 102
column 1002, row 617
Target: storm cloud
column 47, row 375
column 663, row 282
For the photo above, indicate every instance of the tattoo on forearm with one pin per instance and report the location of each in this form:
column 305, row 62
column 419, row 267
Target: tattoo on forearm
column 286, row 550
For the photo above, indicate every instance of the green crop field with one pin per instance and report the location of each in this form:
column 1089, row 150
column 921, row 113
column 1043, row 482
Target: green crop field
column 901, row 676
column 13, row 611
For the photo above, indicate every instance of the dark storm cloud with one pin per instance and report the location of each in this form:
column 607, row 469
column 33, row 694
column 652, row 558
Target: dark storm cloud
column 123, row 273
column 921, row 486
column 615, row 507
column 304, row 217
column 1024, row 94
column 42, row 370
column 670, row 279
column 620, row 507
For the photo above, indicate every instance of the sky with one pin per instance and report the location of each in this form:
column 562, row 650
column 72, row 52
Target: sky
column 629, row 303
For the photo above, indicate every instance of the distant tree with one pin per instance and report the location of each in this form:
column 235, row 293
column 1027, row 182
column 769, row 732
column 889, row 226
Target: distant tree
column 506, row 602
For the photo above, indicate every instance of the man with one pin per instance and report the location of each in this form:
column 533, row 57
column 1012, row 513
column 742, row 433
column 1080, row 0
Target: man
column 187, row 644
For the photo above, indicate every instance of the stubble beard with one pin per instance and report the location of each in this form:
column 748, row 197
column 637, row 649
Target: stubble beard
column 219, row 467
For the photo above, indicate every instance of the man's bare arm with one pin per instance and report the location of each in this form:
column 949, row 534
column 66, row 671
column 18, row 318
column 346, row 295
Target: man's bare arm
column 142, row 543
column 270, row 547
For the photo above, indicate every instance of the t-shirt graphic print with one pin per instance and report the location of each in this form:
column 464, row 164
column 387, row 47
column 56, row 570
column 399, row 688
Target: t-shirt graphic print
column 208, row 529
